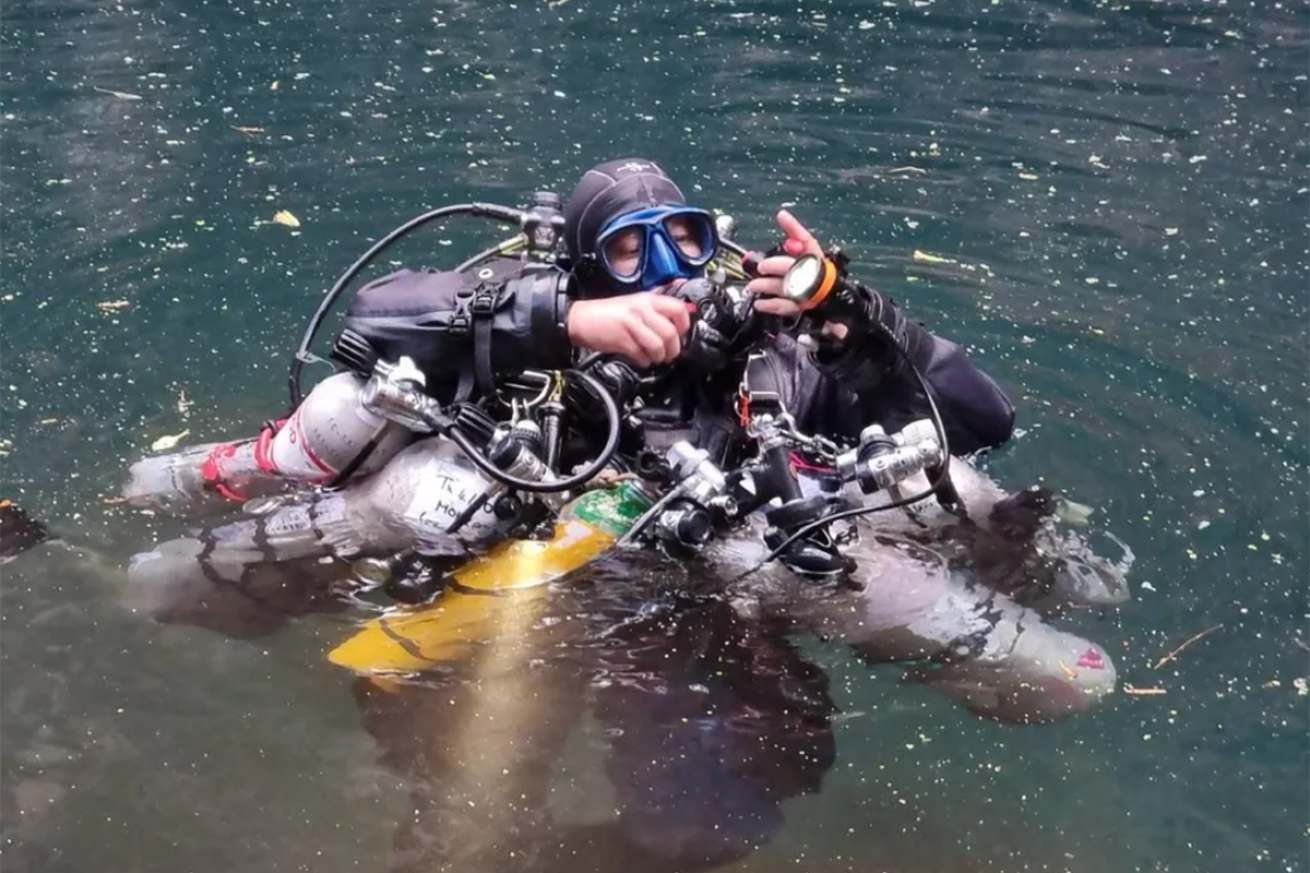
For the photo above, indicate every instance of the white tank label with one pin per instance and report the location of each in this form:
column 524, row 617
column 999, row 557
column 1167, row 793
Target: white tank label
column 445, row 492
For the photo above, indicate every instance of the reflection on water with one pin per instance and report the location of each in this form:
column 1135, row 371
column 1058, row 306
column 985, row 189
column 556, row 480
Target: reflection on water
column 702, row 726
column 1108, row 203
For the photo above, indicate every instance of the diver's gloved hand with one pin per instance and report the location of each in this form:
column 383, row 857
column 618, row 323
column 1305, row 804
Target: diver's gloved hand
column 768, row 282
column 861, row 350
column 646, row 328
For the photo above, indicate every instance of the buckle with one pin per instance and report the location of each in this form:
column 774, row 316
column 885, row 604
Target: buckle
column 460, row 320
column 766, row 402
column 758, row 382
column 484, row 301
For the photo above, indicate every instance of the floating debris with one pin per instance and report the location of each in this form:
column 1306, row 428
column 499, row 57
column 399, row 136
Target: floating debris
column 167, row 442
column 929, row 258
column 1142, row 692
column 1194, row 638
column 1074, row 513
column 285, row 217
column 121, row 95
column 113, row 305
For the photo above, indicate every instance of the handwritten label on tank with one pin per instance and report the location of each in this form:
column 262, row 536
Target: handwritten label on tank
column 445, row 493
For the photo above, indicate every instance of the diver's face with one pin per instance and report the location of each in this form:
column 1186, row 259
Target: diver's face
column 623, row 251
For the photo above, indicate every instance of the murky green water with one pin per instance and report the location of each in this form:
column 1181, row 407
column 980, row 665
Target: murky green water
column 1119, row 189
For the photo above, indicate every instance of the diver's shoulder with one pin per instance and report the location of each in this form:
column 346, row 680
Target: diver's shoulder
column 414, row 290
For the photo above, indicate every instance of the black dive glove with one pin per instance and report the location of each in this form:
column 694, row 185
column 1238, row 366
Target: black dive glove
column 879, row 342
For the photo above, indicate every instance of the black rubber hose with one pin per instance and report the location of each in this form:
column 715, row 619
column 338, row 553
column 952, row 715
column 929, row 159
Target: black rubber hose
column 611, row 446
column 469, row 511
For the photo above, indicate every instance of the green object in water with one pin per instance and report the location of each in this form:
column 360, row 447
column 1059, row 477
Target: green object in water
column 612, row 510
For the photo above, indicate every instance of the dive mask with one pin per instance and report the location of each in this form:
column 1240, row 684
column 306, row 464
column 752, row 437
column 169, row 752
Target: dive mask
column 647, row 248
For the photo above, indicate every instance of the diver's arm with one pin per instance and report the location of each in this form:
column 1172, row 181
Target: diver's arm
column 442, row 319
column 875, row 361
column 869, row 350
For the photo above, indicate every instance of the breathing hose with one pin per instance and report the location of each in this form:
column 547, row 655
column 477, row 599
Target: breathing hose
column 557, row 485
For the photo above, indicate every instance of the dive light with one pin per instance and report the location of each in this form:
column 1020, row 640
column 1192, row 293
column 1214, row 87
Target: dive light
column 812, row 279
column 824, row 291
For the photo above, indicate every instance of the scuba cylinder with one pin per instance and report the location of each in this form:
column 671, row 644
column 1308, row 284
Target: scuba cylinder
column 480, row 596
column 330, row 429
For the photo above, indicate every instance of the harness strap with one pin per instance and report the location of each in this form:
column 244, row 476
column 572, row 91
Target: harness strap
column 473, row 314
column 484, row 309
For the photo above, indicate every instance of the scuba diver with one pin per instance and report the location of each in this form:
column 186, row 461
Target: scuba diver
column 632, row 248
column 628, row 303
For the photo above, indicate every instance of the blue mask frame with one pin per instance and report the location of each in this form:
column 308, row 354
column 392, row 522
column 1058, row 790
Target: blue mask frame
column 662, row 259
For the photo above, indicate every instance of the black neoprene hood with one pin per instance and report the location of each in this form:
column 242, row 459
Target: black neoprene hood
column 609, row 190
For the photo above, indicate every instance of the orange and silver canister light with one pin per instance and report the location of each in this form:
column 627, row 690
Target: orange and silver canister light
column 809, row 281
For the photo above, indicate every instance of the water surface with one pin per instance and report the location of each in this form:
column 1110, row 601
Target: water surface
column 1119, row 194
